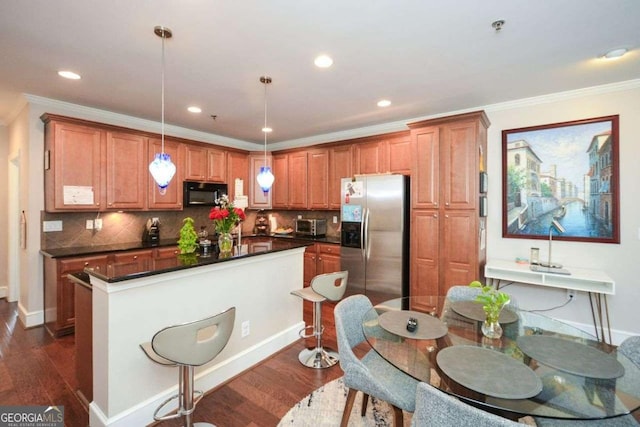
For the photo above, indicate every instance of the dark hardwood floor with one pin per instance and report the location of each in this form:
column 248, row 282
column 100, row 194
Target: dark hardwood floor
column 36, row 369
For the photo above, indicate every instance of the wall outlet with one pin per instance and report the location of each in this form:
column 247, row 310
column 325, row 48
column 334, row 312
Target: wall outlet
column 335, row 219
column 571, row 293
column 89, row 225
column 246, row 328
column 97, row 224
column 51, row 226
column 299, row 216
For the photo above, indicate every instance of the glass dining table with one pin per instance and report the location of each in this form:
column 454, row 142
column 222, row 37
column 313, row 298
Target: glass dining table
column 539, row 367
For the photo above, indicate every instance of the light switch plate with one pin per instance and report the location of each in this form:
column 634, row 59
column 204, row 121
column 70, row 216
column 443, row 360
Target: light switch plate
column 48, row 226
column 89, row 225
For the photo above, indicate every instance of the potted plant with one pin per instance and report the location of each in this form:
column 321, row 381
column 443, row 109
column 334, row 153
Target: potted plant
column 493, row 301
column 188, row 242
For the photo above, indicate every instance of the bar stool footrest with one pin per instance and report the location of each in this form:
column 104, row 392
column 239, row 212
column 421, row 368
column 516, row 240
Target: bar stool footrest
column 318, row 358
column 304, row 335
column 179, row 411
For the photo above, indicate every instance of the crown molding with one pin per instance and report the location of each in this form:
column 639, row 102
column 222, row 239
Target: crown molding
column 117, row 119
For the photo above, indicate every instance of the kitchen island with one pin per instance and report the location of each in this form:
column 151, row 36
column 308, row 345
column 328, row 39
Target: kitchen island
column 129, row 307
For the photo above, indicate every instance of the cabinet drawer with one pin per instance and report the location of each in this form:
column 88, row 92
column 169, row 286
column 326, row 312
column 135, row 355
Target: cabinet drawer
column 166, row 253
column 73, row 265
column 328, row 248
column 132, row 256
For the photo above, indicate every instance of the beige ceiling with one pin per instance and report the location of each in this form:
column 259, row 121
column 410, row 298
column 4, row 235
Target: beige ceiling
column 428, row 57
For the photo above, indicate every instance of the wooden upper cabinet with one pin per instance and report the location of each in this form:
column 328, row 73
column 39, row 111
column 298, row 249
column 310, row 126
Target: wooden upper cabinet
column 126, row 179
column 217, row 166
column 237, row 168
column 371, row 157
column 318, row 176
column 172, row 199
column 258, row 199
column 460, row 164
column 400, row 155
column 74, row 178
column 298, row 183
column 280, row 189
column 425, row 182
column 340, row 159
column 195, row 163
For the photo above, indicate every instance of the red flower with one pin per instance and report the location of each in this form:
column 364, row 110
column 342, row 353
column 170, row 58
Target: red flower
column 226, row 216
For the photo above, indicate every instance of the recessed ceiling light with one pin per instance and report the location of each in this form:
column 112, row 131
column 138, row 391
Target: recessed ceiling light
column 384, row 103
column 323, row 61
column 615, row 53
column 69, row 75
column 194, row 109
column 267, row 130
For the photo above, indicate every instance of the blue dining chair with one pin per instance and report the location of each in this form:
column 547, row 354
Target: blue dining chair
column 630, row 348
column 435, row 408
column 372, row 375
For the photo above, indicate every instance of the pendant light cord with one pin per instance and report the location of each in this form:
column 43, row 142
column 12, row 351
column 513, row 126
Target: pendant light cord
column 162, row 100
column 264, row 130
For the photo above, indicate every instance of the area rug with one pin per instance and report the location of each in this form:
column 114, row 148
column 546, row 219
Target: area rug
column 324, row 406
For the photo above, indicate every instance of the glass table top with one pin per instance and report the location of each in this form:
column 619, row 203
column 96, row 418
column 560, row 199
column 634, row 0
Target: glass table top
column 540, row 366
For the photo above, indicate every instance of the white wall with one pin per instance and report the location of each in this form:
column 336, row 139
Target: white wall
column 621, row 262
column 4, row 200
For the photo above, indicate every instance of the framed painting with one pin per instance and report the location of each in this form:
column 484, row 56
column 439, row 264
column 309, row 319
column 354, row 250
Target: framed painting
column 562, row 173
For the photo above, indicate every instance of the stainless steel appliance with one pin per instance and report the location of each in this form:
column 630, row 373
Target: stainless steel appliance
column 202, row 193
column 151, row 232
column 311, row 227
column 375, row 235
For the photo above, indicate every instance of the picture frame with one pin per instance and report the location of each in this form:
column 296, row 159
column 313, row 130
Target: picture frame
column 565, row 171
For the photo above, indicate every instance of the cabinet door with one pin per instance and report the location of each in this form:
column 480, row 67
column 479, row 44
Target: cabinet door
column 73, row 180
column 132, row 261
column 328, row 258
column 172, row 199
column 318, row 175
column 280, row 189
column 216, row 166
column 340, row 159
column 459, row 249
column 459, row 165
column 310, row 264
column 165, row 257
column 195, row 163
column 258, row 199
column 425, row 182
column 370, row 157
column 298, row 184
column 424, row 252
column 126, row 171
column 400, row 158
column 237, row 168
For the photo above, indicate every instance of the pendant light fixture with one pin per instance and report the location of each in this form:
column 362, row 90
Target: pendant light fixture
column 161, row 168
column 265, row 177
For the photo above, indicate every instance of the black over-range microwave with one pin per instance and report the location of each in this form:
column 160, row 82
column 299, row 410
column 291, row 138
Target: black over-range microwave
column 202, row 193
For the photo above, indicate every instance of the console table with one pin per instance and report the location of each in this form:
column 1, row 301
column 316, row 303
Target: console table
column 595, row 282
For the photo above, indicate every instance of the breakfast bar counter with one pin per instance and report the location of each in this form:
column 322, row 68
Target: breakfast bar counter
column 129, row 307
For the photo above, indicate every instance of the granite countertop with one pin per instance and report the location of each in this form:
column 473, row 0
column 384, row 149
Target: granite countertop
column 251, row 246
column 121, row 247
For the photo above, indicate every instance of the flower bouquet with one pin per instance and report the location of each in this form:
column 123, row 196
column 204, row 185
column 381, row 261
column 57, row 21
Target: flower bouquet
column 225, row 217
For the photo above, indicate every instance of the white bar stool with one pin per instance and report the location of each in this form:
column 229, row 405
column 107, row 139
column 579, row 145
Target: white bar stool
column 329, row 286
column 187, row 346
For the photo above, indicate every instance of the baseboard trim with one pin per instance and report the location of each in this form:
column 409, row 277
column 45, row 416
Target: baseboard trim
column 4, row 291
column 617, row 336
column 142, row 413
column 30, row 319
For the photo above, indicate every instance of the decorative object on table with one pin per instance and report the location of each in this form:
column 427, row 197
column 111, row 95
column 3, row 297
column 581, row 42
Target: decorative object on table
column 161, row 168
column 426, row 327
column 473, row 310
column 151, row 232
column 188, row 241
column 557, row 226
column 568, row 169
column 265, row 178
column 262, row 223
column 492, row 301
column 225, row 217
column 492, row 373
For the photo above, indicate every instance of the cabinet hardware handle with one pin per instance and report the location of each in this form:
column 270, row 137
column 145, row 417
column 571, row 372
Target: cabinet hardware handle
column 86, row 263
column 135, row 257
column 435, row 215
column 446, row 203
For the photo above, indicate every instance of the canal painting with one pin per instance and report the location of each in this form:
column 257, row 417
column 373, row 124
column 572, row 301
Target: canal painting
column 564, row 171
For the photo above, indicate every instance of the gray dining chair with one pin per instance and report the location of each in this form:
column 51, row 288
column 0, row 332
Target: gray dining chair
column 372, row 375
column 467, row 293
column 630, row 348
column 435, row 408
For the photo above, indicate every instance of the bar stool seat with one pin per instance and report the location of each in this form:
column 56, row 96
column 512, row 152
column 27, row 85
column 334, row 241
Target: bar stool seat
column 329, row 286
column 186, row 346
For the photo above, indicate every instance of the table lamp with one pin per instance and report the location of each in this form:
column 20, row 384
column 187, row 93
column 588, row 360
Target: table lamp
column 554, row 224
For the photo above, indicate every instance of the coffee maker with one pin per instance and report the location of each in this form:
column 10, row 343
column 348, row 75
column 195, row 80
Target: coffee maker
column 151, row 232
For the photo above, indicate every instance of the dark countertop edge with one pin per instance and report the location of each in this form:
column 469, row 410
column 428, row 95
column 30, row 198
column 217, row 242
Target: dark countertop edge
column 121, row 247
column 81, row 278
column 204, row 262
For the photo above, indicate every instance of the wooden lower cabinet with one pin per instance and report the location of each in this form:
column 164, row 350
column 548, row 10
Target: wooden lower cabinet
column 84, row 342
column 59, row 291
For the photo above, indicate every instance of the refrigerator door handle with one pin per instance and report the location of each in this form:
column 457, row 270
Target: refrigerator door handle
column 365, row 228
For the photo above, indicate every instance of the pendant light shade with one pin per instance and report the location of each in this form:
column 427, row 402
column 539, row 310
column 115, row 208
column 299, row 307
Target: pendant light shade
column 161, row 168
column 265, row 178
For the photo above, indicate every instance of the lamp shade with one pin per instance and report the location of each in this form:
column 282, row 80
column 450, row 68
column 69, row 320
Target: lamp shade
column 162, row 170
column 265, row 178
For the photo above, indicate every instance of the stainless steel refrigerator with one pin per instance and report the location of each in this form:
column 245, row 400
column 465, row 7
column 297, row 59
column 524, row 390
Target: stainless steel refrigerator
column 375, row 235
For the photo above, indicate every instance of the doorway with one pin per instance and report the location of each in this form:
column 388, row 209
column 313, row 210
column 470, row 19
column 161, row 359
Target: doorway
column 14, row 228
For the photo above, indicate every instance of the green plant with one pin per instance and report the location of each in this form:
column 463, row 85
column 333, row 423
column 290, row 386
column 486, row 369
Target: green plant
column 188, row 242
column 492, row 300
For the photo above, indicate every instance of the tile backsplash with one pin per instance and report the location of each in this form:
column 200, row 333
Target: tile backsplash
column 127, row 227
